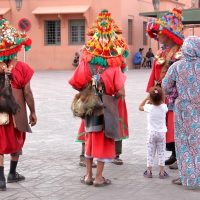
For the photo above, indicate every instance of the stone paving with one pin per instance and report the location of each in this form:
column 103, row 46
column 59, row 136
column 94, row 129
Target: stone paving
column 50, row 160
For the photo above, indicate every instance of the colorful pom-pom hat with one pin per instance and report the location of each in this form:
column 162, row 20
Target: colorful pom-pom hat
column 11, row 41
column 105, row 47
column 104, row 14
column 170, row 25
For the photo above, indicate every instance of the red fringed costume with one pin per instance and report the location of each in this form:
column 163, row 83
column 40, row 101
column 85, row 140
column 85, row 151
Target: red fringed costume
column 171, row 26
column 97, row 144
column 12, row 140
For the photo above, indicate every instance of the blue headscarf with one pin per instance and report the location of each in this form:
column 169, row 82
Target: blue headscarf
column 191, row 48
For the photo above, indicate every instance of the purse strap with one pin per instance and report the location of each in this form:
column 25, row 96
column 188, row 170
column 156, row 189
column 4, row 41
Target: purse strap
column 166, row 65
column 93, row 69
column 96, row 75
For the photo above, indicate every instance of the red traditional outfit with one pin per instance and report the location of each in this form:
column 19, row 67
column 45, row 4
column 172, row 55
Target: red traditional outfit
column 171, row 26
column 14, row 76
column 11, row 139
column 123, row 114
column 97, row 144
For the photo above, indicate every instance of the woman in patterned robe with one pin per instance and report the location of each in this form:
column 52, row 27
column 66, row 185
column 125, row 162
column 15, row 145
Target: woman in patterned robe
column 185, row 76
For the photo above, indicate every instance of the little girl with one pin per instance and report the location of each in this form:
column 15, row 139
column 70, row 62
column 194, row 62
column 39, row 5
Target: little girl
column 157, row 129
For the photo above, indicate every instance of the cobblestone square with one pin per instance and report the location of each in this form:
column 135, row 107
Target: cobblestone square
column 51, row 155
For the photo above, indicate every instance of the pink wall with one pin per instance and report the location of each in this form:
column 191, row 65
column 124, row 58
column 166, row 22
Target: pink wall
column 43, row 57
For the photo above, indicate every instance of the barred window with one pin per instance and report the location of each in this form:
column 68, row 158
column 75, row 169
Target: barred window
column 77, row 32
column 145, row 38
column 52, row 32
column 130, row 31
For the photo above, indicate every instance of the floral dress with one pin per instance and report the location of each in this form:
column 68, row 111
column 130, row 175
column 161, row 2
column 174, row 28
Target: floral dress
column 185, row 75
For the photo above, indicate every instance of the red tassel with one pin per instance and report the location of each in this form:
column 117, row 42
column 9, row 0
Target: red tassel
column 11, row 51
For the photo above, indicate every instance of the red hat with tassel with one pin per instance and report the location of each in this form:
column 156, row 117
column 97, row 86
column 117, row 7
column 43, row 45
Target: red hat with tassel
column 105, row 47
column 11, row 41
column 170, row 25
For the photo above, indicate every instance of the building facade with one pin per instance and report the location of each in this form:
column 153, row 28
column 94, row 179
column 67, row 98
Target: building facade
column 58, row 28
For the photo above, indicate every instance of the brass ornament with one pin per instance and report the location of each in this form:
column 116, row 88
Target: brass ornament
column 157, row 56
column 4, row 118
column 178, row 55
column 160, row 61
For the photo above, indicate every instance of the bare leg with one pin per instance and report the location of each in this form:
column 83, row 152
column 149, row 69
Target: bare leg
column 1, row 160
column 149, row 169
column 100, row 167
column 162, row 168
column 88, row 176
column 14, row 158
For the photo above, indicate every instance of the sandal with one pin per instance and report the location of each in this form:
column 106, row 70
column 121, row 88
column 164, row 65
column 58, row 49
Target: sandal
column 85, row 182
column 163, row 175
column 83, row 164
column 118, row 161
column 177, row 181
column 147, row 174
column 105, row 182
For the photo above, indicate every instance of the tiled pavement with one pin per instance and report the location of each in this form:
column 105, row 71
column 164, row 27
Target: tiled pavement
column 50, row 160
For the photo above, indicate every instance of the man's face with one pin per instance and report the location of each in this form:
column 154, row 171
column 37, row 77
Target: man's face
column 163, row 39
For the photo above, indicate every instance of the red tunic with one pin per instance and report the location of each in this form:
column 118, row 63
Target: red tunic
column 12, row 140
column 155, row 75
column 97, row 144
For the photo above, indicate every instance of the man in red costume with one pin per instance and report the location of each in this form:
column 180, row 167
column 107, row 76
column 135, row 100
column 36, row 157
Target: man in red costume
column 123, row 114
column 168, row 30
column 14, row 76
column 104, row 49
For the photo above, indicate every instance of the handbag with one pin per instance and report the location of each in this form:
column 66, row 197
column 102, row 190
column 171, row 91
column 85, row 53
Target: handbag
column 4, row 118
column 87, row 102
column 111, row 117
column 20, row 119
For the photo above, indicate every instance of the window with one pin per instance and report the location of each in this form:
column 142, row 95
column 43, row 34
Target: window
column 145, row 39
column 130, row 31
column 52, row 33
column 77, row 32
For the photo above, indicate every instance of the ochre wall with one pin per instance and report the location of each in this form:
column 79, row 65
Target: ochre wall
column 42, row 57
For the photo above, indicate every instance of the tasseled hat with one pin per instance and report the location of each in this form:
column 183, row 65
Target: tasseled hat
column 11, row 41
column 170, row 25
column 104, row 14
column 105, row 47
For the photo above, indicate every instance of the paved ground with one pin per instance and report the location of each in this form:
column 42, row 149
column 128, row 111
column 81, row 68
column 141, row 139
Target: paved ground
column 50, row 160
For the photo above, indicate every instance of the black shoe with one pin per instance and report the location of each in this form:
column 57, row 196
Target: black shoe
column 171, row 160
column 14, row 178
column 2, row 185
column 174, row 165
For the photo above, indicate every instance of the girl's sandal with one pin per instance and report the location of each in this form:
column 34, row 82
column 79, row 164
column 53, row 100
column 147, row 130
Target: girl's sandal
column 177, row 181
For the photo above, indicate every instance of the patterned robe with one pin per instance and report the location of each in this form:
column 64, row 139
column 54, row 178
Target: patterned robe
column 185, row 75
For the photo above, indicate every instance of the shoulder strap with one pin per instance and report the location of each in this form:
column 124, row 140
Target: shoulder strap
column 100, row 86
column 168, row 58
column 93, row 69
